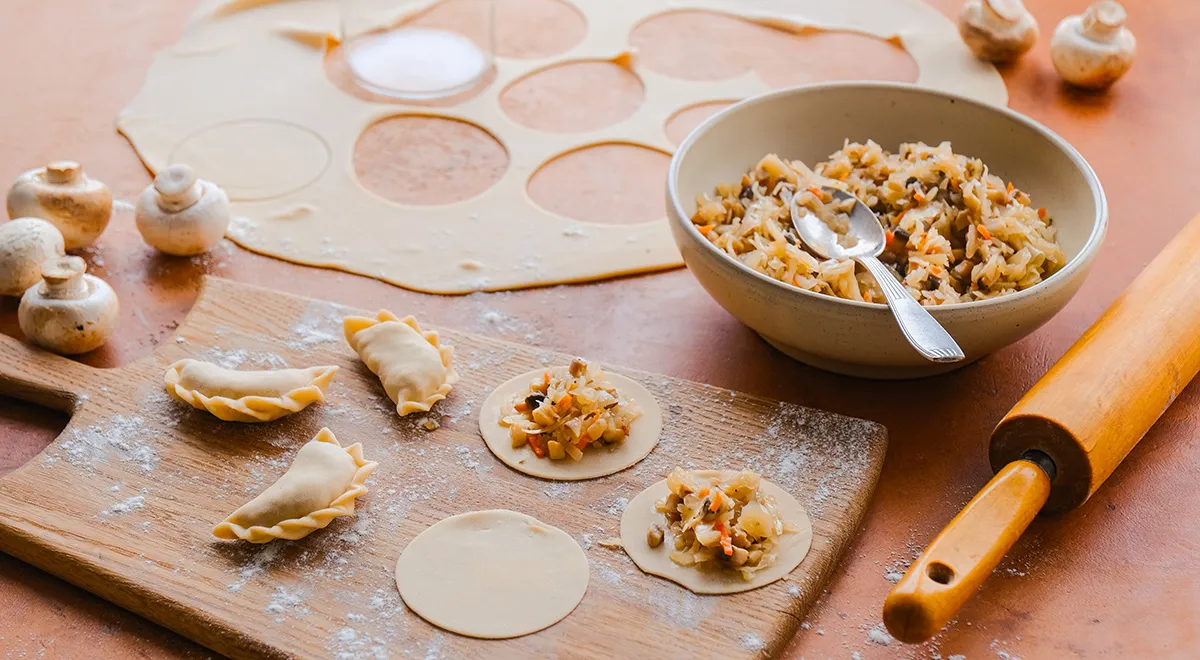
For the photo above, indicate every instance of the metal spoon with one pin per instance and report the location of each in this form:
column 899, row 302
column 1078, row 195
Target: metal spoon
column 922, row 330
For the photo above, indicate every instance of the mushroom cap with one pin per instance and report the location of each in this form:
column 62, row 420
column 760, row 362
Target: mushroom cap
column 25, row 245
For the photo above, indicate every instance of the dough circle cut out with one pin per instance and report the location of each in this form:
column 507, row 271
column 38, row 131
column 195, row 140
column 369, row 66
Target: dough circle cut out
column 640, row 515
column 599, row 462
column 492, row 574
column 255, row 159
column 263, row 60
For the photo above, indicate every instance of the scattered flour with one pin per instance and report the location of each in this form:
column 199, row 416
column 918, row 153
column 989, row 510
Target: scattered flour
column 359, row 531
column 608, row 575
column 558, row 490
column 284, row 602
column 125, row 506
column 259, row 561
column 618, row 506
column 321, row 323
column 879, row 635
column 752, row 642
column 434, row 650
column 680, row 608
column 350, row 644
column 119, row 435
column 236, row 358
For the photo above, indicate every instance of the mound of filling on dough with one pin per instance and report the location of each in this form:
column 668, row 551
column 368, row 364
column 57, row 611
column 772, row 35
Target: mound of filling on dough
column 568, row 410
column 722, row 522
column 955, row 231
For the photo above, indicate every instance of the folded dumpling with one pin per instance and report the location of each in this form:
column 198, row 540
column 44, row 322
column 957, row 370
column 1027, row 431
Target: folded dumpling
column 414, row 369
column 247, row 396
column 322, row 484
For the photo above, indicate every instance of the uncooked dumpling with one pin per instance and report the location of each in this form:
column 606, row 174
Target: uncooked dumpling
column 413, row 367
column 322, row 484
column 247, row 396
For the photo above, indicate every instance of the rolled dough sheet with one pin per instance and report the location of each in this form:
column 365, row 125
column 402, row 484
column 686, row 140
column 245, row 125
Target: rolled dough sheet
column 640, row 515
column 597, row 462
column 492, row 574
column 243, row 98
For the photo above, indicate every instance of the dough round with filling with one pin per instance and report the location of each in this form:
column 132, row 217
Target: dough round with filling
column 596, row 462
column 640, row 514
column 492, row 574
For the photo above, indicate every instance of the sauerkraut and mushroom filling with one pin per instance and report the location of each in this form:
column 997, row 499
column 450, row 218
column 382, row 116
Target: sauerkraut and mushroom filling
column 568, row 410
column 720, row 522
column 956, row 232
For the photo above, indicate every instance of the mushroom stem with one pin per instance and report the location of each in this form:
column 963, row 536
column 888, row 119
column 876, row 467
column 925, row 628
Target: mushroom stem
column 63, row 172
column 177, row 189
column 1003, row 11
column 63, row 277
column 1103, row 21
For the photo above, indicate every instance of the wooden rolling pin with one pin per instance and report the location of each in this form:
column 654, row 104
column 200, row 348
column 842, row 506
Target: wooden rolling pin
column 1063, row 439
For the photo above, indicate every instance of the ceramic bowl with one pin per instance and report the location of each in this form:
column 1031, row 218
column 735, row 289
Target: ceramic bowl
column 809, row 123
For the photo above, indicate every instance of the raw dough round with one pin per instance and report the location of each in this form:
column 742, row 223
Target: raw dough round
column 492, row 574
column 597, row 462
column 640, row 515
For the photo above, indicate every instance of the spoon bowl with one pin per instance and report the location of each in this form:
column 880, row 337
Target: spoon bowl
column 869, row 238
column 863, row 243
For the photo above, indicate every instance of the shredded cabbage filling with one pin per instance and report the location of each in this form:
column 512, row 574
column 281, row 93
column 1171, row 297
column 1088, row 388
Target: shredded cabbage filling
column 721, row 522
column 568, row 410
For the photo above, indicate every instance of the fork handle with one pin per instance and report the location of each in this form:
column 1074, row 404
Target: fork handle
column 919, row 327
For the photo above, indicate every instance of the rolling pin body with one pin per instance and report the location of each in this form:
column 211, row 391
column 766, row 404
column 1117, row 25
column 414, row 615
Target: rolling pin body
column 1067, row 434
column 1098, row 401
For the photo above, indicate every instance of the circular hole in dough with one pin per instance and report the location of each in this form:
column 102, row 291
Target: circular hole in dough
column 492, row 574
column 579, row 184
column 574, row 96
column 686, row 120
column 524, row 29
column 255, row 159
column 640, row 515
column 424, row 160
column 597, row 462
column 702, row 45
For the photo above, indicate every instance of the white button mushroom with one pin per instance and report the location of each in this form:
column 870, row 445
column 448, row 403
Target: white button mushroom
column 69, row 312
column 25, row 244
column 181, row 215
column 997, row 30
column 64, row 196
column 1093, row 50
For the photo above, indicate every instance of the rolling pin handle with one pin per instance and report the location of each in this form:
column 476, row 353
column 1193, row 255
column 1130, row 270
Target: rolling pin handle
column 968, row 549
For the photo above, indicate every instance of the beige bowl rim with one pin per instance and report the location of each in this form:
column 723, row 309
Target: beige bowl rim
column 1095, row 239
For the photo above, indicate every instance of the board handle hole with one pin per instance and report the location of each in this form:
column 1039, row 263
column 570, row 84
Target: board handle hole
column 940, row 573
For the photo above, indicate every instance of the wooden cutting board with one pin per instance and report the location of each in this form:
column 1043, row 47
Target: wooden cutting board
column 122, row 503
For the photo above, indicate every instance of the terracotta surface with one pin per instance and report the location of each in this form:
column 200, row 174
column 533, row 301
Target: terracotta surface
column 1114, row 578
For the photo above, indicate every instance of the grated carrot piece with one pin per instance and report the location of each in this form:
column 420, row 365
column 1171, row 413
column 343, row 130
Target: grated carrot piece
column 987, row 236
column 1042, row 213
column 1010, row 186
column 716, row 501
column 706, row 229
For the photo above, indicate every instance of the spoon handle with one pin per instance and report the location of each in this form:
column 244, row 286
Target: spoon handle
column 919, row 327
